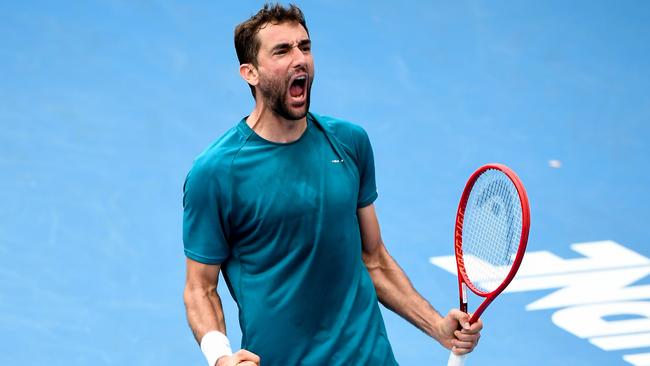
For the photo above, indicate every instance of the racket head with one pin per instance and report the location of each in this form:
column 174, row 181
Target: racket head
column 492, row 225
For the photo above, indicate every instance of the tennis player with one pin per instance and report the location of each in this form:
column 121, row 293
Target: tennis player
column 282, row 203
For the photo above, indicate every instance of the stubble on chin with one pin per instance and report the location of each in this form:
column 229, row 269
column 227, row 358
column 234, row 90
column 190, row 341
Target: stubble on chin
column 275, row 96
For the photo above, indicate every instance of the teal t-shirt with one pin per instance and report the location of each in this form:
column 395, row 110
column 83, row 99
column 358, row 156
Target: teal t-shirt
column 281, row 220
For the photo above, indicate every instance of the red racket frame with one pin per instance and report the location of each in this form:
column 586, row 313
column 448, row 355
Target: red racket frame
column 458, row 240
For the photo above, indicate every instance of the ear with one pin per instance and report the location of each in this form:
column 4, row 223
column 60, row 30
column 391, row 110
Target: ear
column 249, row 73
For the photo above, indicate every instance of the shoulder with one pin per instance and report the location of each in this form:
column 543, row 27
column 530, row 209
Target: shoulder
column 214, row 162
column 350, row 134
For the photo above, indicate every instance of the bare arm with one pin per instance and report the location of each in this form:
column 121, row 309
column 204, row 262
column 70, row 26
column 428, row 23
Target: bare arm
column 396, row 292
column 202, row 302
column 204, row 310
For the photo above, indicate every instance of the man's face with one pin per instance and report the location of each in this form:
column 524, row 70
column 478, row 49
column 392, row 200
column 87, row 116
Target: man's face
column 286, row 69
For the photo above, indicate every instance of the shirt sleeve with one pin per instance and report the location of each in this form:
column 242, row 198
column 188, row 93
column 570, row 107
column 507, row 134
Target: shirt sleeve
column 366, row 161
column 205, row 216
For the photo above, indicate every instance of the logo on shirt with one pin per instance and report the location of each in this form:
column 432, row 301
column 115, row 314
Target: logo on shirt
column 337, row 161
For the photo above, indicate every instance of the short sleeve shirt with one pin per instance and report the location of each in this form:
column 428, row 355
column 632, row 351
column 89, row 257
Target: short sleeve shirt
column 281, row 220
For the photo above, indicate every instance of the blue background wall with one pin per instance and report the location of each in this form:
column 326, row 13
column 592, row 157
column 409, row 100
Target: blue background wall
column 104, row 104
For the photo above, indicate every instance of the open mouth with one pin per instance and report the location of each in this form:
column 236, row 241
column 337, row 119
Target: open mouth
column 298, row 87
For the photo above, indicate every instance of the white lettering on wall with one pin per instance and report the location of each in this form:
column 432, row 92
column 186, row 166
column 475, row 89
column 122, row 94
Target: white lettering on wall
column 590, row 291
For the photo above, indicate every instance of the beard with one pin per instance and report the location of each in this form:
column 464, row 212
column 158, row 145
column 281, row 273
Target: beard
column 275, row 91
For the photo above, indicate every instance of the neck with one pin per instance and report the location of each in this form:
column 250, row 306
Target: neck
column 272, row 127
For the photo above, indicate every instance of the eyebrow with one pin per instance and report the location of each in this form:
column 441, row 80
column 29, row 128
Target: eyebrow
column 279, row 46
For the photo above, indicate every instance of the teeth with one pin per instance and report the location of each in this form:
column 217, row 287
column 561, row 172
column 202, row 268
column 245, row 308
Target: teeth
column 301, row 78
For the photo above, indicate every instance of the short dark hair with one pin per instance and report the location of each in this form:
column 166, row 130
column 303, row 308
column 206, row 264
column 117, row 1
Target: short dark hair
column 247, row 44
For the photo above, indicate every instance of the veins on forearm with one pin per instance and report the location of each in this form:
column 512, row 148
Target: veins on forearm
column 396, row 292
column 204, row 311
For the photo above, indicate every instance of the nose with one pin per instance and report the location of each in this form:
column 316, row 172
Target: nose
column 299, row 58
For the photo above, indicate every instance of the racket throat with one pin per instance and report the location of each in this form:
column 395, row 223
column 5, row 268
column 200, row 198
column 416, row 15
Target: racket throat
column 463, row 297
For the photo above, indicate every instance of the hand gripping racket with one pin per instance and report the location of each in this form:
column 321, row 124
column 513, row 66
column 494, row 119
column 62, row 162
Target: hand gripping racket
column 490, row 238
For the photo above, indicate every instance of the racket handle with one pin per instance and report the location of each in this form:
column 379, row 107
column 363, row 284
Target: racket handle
column 455, row 360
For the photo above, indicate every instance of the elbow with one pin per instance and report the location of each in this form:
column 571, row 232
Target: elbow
column 188, row 298
column 375, row 270
column 197, row 292
column 375, row 257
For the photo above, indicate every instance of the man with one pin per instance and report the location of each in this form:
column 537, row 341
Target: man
column 283, row 204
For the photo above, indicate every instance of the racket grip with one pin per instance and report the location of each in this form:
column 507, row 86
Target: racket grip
column 455, row 360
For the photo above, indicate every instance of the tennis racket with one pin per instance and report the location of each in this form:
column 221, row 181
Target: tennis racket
column 490, row 238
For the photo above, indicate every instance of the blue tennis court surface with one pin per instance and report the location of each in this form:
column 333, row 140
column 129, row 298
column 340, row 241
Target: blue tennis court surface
column 104, row 105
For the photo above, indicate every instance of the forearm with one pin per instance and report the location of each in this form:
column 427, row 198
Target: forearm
column 204, row 311
column 396, row 292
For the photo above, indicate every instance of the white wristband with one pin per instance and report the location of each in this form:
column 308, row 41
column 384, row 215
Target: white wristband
column 215, row 345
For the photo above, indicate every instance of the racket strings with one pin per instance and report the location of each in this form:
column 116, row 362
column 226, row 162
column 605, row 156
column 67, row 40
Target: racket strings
column 491, row 230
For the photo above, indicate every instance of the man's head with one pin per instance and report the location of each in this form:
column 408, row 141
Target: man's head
column 274, row 52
